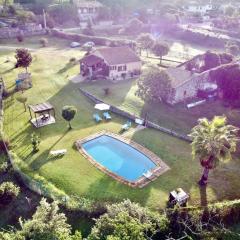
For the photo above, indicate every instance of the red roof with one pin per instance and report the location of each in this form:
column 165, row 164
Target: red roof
column 91, row 60
column 117, row 55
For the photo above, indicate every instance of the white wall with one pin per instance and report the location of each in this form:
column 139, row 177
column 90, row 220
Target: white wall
column 131, row 68
column 190, row 88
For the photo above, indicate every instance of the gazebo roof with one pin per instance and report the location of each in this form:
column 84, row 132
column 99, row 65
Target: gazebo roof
column 41, row 107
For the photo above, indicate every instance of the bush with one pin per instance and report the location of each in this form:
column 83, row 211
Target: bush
column 43, row 42
column 20, row 38
column 8, row 191
column 3, row 167
column 106, row 91
column 72, row 60
column 88, row 31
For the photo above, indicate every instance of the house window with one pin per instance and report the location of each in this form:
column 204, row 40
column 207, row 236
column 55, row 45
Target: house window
column 122, row 68
column 113, row 67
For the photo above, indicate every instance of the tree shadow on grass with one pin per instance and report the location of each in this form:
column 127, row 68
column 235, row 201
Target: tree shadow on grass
column 108, row 189
column 66, row 67
column 45, row 157
column 8, row 70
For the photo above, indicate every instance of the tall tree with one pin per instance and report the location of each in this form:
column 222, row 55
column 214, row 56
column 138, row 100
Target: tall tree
column 145, row 41
column 23, row 100
column 127, row 220
column 47, row 223
column 160, row 49
column 155, row 85
column 227, row 79
column 68, row 113
column 213, row 142
column 211, row 60
column 24, row 58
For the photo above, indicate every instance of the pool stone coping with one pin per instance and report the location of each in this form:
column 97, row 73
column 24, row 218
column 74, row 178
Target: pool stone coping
column 161, row 167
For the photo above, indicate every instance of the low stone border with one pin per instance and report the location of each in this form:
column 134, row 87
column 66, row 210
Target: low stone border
column 160, row 168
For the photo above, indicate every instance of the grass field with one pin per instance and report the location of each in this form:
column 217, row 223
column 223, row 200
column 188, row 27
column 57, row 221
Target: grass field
column 74, row 174
column 178, row 118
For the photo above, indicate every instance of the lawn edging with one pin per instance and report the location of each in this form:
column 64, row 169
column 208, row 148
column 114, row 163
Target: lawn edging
column 133, row 117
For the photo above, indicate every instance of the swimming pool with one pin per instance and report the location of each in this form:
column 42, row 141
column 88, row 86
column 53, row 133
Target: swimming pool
column 121, row 158
column 118, row 157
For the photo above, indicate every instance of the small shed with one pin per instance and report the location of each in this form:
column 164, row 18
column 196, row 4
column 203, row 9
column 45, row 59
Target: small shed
column 24, row 81
column 44, row 114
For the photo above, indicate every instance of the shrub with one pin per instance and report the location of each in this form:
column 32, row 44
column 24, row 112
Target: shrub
column 128, row 219
column 8, row 191
column 88, row 31
column 35, row 142
column 72, row 60
column 106, row 91
column 20, row 38
column 3, row 167
column 43, row 42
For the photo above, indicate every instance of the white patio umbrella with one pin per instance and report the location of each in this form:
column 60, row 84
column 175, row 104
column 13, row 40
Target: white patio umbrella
column 102, row 106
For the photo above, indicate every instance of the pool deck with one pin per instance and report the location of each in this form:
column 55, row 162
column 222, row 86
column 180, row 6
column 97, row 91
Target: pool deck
column 160, row 168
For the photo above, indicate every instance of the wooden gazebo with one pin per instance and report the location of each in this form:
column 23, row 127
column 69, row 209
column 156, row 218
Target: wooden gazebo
column 44, row 114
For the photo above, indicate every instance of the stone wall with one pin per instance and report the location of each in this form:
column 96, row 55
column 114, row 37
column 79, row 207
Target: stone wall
column 26, row 32
column 133, row 117
column 103, row 41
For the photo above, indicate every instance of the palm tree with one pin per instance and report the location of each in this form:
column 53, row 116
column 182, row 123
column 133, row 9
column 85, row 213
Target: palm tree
column 213, row 142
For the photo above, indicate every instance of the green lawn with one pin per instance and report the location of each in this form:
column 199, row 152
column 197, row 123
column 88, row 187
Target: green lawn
column 73, row 173
column 177, row 117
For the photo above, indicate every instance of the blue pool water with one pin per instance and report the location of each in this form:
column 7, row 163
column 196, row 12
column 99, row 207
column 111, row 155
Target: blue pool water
column 118, row 157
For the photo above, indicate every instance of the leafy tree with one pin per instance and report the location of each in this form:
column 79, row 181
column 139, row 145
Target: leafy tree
column 24, row 58
column 23, row 100
column 227, row 79
column 43, row 42
column 8, row 191
column 35, row 140
column 229, row 10
column 68, row 113
column 133, row 26
column 213, row 142
column 211, row 60
column 145, row 41
column 160, row 49
column 155, row 85
column 47, row 223
column 128, row 220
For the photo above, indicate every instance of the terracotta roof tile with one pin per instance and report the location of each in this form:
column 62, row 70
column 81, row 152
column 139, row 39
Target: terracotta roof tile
column 117, row 55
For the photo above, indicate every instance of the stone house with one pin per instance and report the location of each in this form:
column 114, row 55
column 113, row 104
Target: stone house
column 195, row 8
column 114, row 63
column 187, row 84
column 87, row 10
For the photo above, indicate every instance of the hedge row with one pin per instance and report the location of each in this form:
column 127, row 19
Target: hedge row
column 85, row 38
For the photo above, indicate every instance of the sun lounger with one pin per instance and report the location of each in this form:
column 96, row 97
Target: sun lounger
column 148, row 174
column 107, row 116
column 97, row 118
column 58, row 152
column 126, row 126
